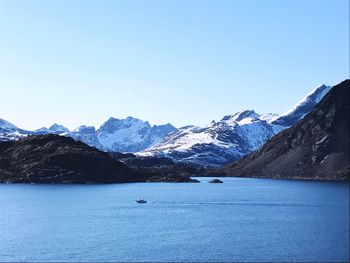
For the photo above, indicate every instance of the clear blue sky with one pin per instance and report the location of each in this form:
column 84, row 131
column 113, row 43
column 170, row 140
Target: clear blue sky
column 184, row 62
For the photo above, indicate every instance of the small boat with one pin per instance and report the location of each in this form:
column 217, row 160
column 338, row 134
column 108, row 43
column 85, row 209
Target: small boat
column 141, row 201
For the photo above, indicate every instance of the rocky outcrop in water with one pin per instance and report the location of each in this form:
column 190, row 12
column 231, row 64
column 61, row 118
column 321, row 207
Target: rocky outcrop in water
column 216, row 181
column 172, row 179
column 160, row 166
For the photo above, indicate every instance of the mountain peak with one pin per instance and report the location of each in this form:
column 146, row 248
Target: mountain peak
column 245, row 114
column 7, row 125
column 298, row 111
column 314, row 96
column 240, row 116
column 85, row 129
column 268, row 117
column 131, row 134
column 58, row 128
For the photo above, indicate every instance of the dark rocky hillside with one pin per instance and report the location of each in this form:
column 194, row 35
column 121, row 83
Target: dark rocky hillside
column 161, row 167
column 59, row 159
column 317, row 147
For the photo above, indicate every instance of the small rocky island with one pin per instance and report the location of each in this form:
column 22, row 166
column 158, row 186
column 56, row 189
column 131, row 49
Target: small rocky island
column 172, row 179
column 216, row 181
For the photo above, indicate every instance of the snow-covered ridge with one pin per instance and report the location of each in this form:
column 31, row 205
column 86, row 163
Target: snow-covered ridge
column 7, row 125
column 233, row 136
column 299, row 110
column 314, row 96
column 131, row 134
column 219, row 142
column 124, row 135
column 54, row 129
column 9, row 131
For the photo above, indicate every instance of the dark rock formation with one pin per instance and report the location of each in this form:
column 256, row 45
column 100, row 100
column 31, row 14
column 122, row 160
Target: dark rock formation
column 159, row 166
column 58, row 159
column 215, row 181
column 172, row 179
column 317, row 147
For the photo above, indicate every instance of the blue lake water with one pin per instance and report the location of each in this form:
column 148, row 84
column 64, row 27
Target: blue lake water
column 240, row 220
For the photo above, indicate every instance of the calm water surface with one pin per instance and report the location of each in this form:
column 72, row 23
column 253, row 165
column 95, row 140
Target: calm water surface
column 240, row 220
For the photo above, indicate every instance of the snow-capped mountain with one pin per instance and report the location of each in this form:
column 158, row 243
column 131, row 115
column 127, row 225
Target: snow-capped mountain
column 54, row 129
column 233, row 137
column 8, row 131
column 219, row 142
column 119, row 135
column 7, row 125
column 131, row 134
column 301, row 108
column 86, row 134
column 57, row 128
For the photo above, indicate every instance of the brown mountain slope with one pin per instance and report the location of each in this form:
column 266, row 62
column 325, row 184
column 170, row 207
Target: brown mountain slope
column 317, row 147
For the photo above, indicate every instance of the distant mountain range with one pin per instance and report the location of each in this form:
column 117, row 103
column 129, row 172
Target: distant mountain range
column 317, row 147
column 233, row 137
column 227, row 140
column 131, row 134
column 117, row 135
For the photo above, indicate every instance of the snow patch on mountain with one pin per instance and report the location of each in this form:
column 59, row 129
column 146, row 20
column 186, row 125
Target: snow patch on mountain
column 54, row 129
column 57, row 128
column 268, row 117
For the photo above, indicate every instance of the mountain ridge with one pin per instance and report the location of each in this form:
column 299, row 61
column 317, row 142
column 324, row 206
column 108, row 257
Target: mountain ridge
column 134, row 134
column 317, row 147
column 232, row 137
column 224, row 141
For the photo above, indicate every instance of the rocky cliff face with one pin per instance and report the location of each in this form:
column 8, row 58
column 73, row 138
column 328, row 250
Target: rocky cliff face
column 317, row 147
